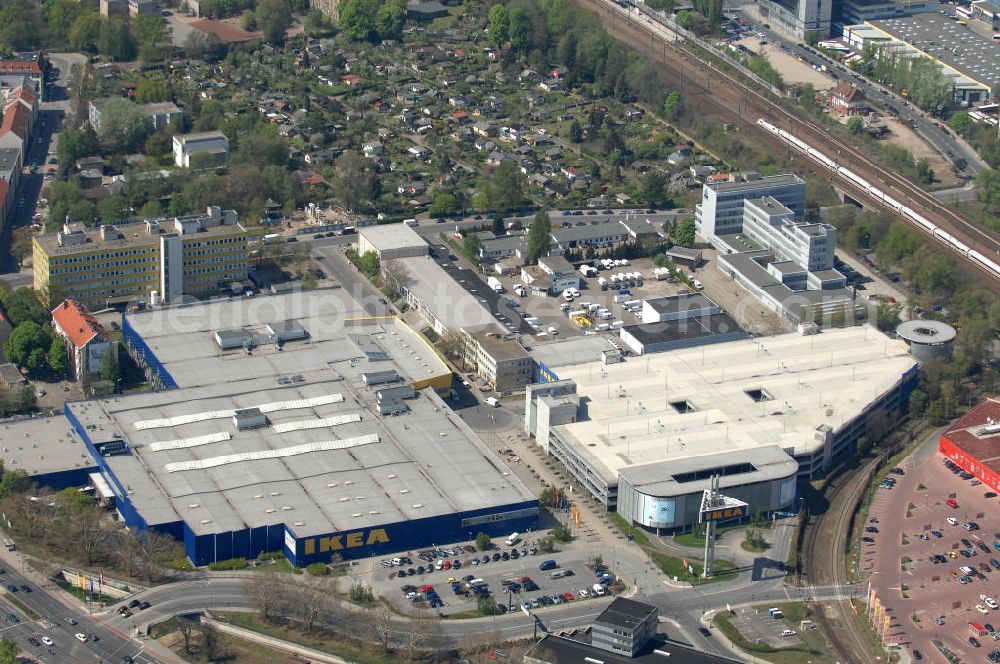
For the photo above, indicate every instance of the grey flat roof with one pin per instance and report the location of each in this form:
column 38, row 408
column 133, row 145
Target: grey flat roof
column 444, row 297
column 753, row 272
column 684, row 252
column 8, row 159
column 770, row 205
column 183, row 338
column 680, row 302
column 944, row 40
column 696, row 327
column 824, row 379
column 42, row 445
column 571, row 350
column 358, row 468
column 391, row 236
column 787, row 267
column 560, row 650
column 767, row 181
column 658, row 479
column 423, row 463
column 505, row 242
column 589, row 232
column 624, row 612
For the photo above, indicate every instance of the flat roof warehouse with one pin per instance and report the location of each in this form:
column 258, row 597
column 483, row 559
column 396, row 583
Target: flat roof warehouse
column 337, row 454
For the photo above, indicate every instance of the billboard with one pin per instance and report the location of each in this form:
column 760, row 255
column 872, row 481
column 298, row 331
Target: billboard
column 658, row 510
column 724, row 513
column 786, row 494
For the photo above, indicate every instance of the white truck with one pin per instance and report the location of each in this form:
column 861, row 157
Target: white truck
column 603, row 283
column 520, row 290
column 495, row 284
column 587, row 271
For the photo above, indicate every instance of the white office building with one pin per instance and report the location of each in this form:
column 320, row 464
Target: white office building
column 772, row 225
column 721, row 209
column 801, row 18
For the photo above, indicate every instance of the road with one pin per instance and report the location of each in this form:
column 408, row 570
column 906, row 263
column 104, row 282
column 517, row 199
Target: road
column 54, row 608
column 40, row 146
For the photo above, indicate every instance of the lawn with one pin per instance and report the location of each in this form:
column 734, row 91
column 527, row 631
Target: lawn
column 724, row 570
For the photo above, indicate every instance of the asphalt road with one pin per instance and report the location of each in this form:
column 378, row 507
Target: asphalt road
column 50, row 118
column 54, row 607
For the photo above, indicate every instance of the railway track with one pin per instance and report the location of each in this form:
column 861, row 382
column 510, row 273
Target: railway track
column 730, row 99
column 823, row 553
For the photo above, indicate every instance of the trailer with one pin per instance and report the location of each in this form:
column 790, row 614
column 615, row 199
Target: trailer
column 495, row 284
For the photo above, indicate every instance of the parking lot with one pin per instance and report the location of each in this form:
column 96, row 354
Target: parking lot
column 552, row 313
column 922, row 532
column 761, row 627
column 458, row 589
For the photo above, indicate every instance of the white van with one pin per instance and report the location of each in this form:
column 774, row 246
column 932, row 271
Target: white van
column 599, row 590
column 558, row 574
column 410, row 222
column 475, row 583
column 492, row 401
column 788, row 632
column 966, row 570
column 513, row 539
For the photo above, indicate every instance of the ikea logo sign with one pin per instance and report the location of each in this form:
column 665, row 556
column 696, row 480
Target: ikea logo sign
column 344, row 541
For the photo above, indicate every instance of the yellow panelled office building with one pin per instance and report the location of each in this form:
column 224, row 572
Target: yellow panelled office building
column 195, row 255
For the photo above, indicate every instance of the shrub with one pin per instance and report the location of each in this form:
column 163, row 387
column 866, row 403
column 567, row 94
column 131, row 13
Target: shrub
column 230, row 564
column 318, row 569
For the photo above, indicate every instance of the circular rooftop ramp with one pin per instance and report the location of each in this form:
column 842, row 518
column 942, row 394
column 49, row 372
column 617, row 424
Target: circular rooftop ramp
column 927, row 338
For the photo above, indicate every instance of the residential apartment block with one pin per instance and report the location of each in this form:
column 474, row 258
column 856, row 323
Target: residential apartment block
column 721, row 209
column 194, row 255
column 86, row 340
column 213, row 143
column 159, row 114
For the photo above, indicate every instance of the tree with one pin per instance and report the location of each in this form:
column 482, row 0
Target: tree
column 58, row 357
column 539, row 236
column 354, row 181
column 110, row 369
column 923, row 171
column 22, row 305
column 151, row 90
column 389, row 20
column 519, row 29
column 8, row 651
column 471, row 245
column 988, row 182
column 186, row 628
column 960, row 122
column 150, row 30
column 216, row 643
column 396, row 277
column 500, row 190
column 73, row 144
column 85, row 32
column 856, row 125
column 309, row 280
column 274, row 17
column 487, row 605
column 205, row 47
column 684, row 235
column 499, row 25
column 357, row 18
column 123, row 125
column 21, row 244
column 380, row 619
column 672, row 105
column 652, row 187
column 887, row 316
column 316, row 23
column 127, row 548
column 14, row 481
column 443, row 203
column 248, row 21
column 115, row 40
column 158, row 146
column 60, row 15
column 575, row 132
column 561, row 533
column 113, row 208
column 483, row 542
column 156, row 548
column 28, row 346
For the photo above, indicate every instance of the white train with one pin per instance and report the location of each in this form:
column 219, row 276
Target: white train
column 906, row 212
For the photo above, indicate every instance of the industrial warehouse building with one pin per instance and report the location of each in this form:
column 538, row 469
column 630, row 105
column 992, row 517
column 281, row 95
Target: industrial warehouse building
column 294, row 424
column 644, row 435
column 973, row 442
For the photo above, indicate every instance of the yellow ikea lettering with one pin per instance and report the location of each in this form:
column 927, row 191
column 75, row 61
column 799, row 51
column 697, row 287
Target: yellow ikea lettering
column 348, row 541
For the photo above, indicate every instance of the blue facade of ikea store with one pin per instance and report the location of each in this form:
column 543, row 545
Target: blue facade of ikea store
column 301, row 551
